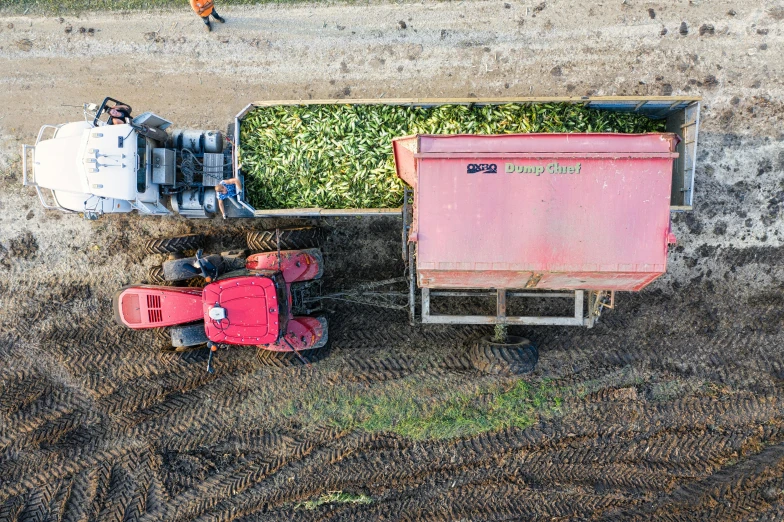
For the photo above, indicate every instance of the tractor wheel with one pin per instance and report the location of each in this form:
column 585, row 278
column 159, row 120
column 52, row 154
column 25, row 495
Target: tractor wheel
column 188, row 337
column 155, row 276
column 174, row 245
column 289, row 359
column 290, row 239
column 514, row 357
column 164, row 341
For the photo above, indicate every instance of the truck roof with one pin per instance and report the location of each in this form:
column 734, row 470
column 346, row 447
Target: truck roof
column 57, row 166
column 89, row 160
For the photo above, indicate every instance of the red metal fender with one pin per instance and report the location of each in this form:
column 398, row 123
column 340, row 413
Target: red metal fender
column 149, row 306
column 303, row 333
column 296, row 265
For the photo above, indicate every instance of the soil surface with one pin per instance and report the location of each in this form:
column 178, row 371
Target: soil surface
column 672, row 407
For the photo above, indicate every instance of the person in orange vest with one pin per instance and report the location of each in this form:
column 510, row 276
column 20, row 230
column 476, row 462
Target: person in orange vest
column 205, row 8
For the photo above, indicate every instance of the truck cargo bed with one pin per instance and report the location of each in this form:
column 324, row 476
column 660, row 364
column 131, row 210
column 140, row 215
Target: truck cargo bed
column 681, row 114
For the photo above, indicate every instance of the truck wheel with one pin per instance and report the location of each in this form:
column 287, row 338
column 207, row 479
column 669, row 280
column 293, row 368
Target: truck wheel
column 514, row 357
column 174, row 245
column 290, row 239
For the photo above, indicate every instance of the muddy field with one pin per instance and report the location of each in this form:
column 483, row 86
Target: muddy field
column 672, row 408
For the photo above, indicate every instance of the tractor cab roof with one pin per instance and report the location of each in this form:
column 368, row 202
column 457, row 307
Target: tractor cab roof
column 248, row 310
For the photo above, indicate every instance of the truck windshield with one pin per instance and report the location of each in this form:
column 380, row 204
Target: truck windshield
column 141, row 170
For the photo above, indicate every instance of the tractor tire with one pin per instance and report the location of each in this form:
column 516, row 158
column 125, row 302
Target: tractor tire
column 188, row 337
column 174, row 245
column 290, row 239
column 289, row 359
column 514, row 357
column 165, row 341
column 155, row 276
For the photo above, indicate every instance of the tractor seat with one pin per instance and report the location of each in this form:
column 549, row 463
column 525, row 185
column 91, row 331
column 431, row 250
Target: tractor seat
column 244, row 310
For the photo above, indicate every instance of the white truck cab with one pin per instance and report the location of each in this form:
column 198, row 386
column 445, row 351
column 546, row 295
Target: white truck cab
column 94, row 168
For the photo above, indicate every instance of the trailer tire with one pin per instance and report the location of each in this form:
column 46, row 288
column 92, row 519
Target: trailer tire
column 516, row 356
column 174, row 245
column 290, row 239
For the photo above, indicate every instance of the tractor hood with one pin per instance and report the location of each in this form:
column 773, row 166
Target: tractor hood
column 254, row 309
column 100, row 161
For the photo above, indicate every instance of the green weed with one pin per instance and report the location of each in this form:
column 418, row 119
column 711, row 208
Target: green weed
column 335, row 497
column 429, row 413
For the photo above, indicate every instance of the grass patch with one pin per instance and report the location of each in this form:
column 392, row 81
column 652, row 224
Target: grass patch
column 334, row 497
column 429, row 413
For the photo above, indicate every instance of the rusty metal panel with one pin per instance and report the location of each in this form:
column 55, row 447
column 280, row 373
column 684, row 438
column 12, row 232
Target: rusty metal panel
column 626, row 281
column 558, row 143
column 554, row 211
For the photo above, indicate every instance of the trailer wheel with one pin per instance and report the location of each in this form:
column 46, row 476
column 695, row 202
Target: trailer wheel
column 174, row 245
column 290, row 239
column 514, row 357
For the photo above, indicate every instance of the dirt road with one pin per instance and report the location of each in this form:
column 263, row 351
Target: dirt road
column 671, row 408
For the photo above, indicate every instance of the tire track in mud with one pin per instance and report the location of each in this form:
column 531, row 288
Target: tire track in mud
column 551, row 471
column 109, row 429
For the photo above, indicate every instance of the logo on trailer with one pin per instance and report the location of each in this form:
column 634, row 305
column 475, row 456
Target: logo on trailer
column 484, row 168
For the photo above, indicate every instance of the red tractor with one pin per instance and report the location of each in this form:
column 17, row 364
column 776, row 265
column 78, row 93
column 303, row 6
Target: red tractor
column 247, row 300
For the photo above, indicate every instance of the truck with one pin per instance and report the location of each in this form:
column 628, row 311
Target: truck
column 515, row 219
column 146, row 166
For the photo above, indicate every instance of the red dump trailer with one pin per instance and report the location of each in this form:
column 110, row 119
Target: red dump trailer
column 576, row 216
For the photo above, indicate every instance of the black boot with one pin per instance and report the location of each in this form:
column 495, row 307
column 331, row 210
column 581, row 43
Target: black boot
column 207, row 26
column 218, row 17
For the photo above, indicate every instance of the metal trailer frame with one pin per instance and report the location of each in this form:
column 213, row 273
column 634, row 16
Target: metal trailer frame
column 681, row 112
column 583, row 316
column 586, row 308
column 596, row 300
